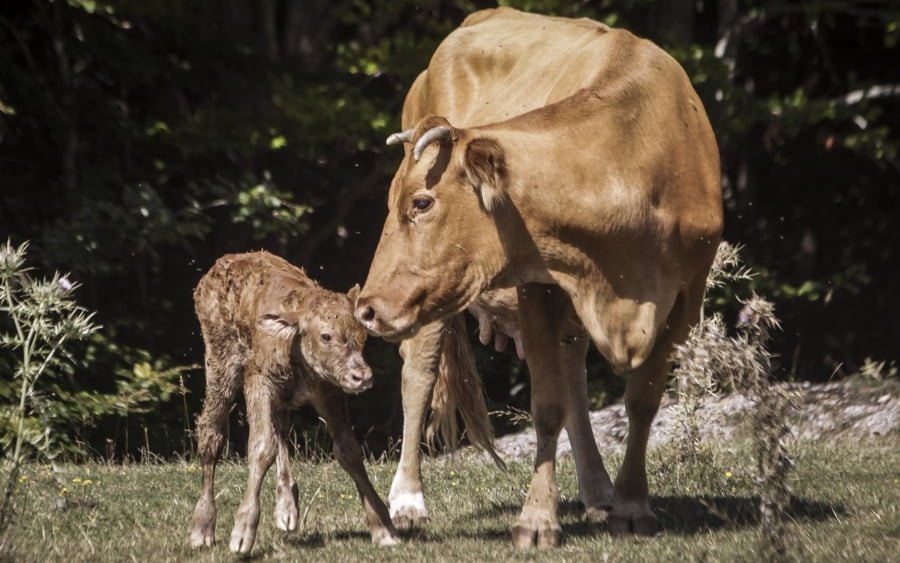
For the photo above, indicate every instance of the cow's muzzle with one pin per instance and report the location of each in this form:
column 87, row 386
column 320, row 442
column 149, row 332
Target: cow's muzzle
column 379, row 320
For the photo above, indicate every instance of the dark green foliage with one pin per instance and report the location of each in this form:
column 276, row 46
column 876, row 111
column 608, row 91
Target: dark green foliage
column 142, row 139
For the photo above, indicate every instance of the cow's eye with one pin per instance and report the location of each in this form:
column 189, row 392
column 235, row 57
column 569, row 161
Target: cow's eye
column 422, row 203
column 325, row 337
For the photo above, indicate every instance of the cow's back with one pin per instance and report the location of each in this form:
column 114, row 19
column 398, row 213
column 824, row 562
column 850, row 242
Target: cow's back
column 501, row 63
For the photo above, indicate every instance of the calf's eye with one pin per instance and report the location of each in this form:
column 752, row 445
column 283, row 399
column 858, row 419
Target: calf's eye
column 325, row 337
column 422, row 203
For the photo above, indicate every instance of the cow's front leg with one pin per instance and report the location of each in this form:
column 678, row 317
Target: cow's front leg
column 331, row 405
column 421, row 355
column 595, row 489
column 541, row 310
column 286, row 493
column 261, row 451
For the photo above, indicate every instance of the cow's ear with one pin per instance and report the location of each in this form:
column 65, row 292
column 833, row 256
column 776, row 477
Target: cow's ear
column 485, row 168
column 282, row 325
column 353, row 294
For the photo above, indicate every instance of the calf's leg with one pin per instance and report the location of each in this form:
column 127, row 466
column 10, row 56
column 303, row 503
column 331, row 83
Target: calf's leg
column 421, row 355
column 541, row 312
column 330, row 404
column 223, row 380
column 261, row 451
column 286, row 493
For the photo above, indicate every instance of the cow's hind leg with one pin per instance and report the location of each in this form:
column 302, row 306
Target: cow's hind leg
column 595, row 489
column 223, row 381
column 421, row 355
column 631, row 512
column 331, row 405
column 541, row 311
column 261, row 451
column 286, row 493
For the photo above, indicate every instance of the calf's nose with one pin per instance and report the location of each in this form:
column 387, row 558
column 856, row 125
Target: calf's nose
column 361, row 378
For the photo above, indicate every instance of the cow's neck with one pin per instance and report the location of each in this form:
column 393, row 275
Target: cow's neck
column 552, row 213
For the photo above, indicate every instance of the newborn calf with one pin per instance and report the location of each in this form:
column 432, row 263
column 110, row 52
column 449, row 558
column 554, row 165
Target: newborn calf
column 271, row 331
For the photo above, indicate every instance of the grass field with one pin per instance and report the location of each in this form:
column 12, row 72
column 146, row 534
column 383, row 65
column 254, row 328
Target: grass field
column 847, row 507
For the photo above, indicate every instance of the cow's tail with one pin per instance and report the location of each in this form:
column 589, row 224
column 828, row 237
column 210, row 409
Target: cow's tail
column 458, row 389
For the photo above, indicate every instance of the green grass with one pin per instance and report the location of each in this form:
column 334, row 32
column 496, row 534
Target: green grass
column 847, row 508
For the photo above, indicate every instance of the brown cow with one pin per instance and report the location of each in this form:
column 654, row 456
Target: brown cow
column 272, row 332
column 599, row 196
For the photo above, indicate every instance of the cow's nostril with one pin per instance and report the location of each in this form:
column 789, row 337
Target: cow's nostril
column 367, row 314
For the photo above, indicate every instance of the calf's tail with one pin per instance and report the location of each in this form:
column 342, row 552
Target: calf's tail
column 458, row 389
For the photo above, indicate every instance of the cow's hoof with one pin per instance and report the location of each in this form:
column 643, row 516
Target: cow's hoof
column 408, row 511
column 622, row 525
column 408, row 518
column 543, row 536
column 203, row 536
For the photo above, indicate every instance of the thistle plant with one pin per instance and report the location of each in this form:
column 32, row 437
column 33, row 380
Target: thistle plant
column 40, row 319
column 770, row 430
column 710, row 362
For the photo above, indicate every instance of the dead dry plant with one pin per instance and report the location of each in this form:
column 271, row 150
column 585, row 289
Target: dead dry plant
column 711, row 362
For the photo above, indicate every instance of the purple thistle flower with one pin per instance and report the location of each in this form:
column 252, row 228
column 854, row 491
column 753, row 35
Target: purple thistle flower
column 65, row 284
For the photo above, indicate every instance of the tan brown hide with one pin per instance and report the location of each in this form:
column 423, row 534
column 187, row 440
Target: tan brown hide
column 575, row 163
column 274, row 334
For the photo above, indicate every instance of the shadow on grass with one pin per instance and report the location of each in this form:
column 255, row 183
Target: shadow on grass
column 691, row 515
column 683, row 515
column 679, row 515
column 318, row 539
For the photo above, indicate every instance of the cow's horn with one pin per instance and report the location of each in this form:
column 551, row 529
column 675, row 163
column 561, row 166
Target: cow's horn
column 401, row 137
column 430, row 136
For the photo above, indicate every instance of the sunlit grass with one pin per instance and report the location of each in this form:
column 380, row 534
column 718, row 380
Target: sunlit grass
column 847, row 507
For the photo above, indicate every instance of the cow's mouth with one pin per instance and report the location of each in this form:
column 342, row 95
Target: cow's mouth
column 401, row 334
column 392, row 331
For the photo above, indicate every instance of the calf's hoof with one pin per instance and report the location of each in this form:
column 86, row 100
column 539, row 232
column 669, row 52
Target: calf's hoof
column 385, row 538
column 203, row 536
column 286, row 513
column 542, row 536
column 203, row 524
column 597, row 514
column 640, row 525
column 243, row 537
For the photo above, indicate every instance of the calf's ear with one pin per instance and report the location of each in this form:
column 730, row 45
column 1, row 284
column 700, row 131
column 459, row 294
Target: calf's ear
column 282, row 325
column 353, row 294
column 485, row 168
